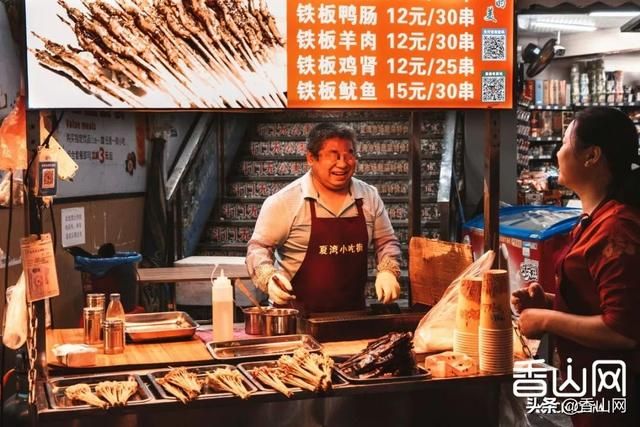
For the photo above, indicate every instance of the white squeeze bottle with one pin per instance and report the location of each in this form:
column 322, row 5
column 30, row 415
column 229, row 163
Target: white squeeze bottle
column 222, row 308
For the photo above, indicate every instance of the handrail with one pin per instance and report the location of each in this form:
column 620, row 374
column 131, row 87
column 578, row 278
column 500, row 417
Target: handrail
column 447, row 184
column 446, row 163
column 188, row 153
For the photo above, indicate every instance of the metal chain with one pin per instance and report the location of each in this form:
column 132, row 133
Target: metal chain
column 523, row 341
column 32, row 351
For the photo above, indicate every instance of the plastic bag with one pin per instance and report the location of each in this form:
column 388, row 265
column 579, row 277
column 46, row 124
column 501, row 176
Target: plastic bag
column 16, row 318
column 100, row 266
column 5, row 188
column 513, row 412
column 435, row 331
column 13, row 138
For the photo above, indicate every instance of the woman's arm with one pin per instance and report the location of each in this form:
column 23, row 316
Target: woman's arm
column 589, row 331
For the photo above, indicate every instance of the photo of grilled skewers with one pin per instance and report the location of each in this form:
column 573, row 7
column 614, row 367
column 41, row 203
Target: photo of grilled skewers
column 156, row 53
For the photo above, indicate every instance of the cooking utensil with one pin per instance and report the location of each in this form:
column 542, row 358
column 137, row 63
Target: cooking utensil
column 240, row 285
column 253, row 320
column 280, row 321
column 261, row 348
column 157, row 326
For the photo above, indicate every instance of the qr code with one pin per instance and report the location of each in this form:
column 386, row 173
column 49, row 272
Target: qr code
column 529, row 272
column 494, row 45
column 493, row 86
column 48, row 178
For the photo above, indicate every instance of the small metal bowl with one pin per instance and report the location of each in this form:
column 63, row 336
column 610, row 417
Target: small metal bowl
column 280, row 321
column 253, row 321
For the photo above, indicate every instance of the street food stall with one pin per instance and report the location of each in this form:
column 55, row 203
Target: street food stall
column 169, row 55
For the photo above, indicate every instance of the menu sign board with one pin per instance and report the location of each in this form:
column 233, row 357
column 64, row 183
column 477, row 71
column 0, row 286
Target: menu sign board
column 404, row 53
column 184, row 54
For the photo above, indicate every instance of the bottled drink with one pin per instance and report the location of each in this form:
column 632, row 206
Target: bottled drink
column 115, row 311
column 222, row 308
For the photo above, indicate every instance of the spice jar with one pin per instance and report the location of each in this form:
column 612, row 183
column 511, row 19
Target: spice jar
column 95, row 300
column 92, row 319
column 113, row 336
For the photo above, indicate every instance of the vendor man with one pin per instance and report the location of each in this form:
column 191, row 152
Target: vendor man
column 319, row 228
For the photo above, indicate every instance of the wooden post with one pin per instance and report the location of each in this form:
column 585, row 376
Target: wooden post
column 415, row 178
column 34, row 226
column 491, row 180
column 219, row 118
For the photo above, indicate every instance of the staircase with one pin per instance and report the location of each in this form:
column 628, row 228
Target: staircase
column 274, row 155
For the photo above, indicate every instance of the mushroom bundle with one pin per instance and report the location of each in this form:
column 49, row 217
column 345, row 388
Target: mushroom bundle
column 308, row 371
column 114, row 393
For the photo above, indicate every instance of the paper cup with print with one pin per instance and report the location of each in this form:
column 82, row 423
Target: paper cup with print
column 495, row 309
column 468, row 308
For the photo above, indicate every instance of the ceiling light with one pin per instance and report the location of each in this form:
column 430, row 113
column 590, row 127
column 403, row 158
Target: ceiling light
column 615, row 13
column 563, row 26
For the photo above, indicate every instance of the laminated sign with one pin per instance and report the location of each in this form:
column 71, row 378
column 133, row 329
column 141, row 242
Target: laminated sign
column 400, row 54
column 39, row 264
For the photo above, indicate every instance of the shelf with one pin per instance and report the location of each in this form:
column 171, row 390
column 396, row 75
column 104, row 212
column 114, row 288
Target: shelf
column 301, row 157
column 551, row 107
column 545, row 139
column 538, row 158
column 607, row 104
column 554, row 107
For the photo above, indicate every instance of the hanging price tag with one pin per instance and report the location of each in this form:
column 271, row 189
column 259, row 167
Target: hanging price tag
column 47, row 178
column 39, row 264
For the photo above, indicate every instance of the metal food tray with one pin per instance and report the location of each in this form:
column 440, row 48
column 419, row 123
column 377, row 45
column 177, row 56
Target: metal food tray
column 207, row 392
column 261, row 348
column 419, row 374
column 336, row 380
column 169, row 325
column 57, row 386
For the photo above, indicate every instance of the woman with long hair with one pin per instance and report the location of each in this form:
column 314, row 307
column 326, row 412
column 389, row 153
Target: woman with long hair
column 594, row 314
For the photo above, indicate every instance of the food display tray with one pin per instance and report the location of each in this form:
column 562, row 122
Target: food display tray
column 207, row 392
column 336, row 380
column 418, row 374
column 261, row 348
column 361, row 324
column 169, row 325
column 56, row 387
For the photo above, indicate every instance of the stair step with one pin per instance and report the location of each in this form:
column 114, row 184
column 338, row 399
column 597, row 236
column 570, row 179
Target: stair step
column 397, row 211
column 369, row 129
column 338, row 116
column 426, row 198
column 366, row 148
column 291, row 169
column 364, row 129
column 255, row 187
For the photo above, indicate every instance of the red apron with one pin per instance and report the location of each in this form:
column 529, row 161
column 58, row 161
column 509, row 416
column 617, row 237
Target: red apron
column 333, row 274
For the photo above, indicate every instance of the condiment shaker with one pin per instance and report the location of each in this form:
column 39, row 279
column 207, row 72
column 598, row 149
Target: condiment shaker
column 113, row 336
column 92, row 317
column 95, row 300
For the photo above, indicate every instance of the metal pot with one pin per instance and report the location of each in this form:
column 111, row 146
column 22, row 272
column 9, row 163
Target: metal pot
column 253, row 321
column 280, row 321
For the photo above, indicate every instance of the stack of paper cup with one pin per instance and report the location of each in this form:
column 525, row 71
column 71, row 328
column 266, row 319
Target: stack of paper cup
column 495, row 333
column 465, row 335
